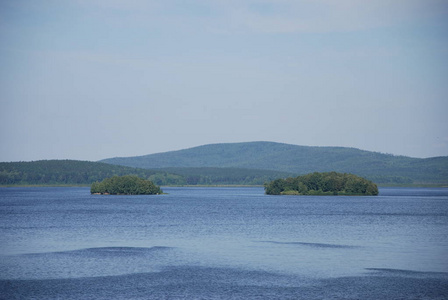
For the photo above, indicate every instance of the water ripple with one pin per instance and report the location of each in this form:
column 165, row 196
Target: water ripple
column 105, row 251
column 400, row 272
column 314, row 245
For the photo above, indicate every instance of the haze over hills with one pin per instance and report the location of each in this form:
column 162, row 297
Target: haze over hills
column 253, row 163
column 382, row 168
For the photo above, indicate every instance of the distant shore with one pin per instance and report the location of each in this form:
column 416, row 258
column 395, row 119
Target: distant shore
column 415, row 185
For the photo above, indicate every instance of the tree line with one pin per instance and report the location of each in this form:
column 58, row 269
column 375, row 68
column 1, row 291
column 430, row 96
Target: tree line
column 73, row 172
column 62, row 172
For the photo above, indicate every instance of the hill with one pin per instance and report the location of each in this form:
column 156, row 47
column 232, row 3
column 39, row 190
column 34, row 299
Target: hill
column 65, row 172
column 73, row 172
column 222, row 176
column 299, row 160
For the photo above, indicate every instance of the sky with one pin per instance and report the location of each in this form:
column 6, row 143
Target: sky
column 94, row 79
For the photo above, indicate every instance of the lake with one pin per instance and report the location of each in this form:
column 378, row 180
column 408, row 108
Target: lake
column 223, row 243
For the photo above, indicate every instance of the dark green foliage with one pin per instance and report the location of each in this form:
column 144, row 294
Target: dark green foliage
column 164, row 178
column 69, row 172
column 383, row 168
column 238, row 164
column 225, row 176
column 330, row 183
column 125, row 185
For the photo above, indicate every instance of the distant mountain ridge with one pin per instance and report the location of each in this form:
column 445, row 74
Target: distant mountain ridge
column 297, row 160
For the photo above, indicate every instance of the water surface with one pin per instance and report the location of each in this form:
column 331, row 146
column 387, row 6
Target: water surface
column 223, row 243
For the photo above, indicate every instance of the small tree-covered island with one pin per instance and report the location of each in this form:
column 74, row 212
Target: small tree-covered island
column 330, row 183
column 125, row 185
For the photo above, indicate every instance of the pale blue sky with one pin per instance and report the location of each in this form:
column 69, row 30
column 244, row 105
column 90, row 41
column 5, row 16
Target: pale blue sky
column 93, row 79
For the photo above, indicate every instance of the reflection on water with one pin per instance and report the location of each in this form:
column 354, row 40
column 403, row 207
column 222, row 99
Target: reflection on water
column 223, row 243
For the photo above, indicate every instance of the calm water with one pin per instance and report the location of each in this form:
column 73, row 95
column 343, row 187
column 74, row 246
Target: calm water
column 223, row 243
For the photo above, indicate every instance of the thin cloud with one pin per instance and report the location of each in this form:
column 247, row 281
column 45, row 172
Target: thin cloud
column 330, row 16
column 268, row 16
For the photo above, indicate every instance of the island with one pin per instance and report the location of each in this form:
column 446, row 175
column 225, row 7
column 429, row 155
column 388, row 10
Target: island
column 328, row 183
column 125, row 185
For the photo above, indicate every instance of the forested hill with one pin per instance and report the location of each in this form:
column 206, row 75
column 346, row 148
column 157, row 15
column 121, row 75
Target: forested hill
column 379, row 167
column 50, row 172
column 73, row 172
column 240, row 163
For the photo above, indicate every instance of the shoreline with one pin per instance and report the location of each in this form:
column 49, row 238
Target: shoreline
column 416, row 185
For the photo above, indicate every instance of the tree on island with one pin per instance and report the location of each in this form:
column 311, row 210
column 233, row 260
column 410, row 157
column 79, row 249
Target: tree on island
column 329, row 183
column 125, row 185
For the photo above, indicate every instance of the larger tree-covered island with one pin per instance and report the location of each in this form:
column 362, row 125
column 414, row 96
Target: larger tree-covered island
column 330, row 183
column 125, row 185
